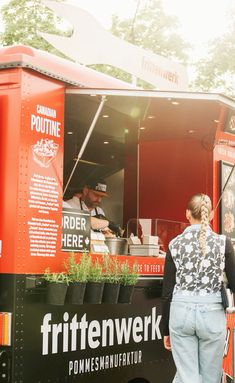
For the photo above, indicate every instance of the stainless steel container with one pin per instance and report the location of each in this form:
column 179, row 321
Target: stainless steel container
column 142, row 250
column 117, row 246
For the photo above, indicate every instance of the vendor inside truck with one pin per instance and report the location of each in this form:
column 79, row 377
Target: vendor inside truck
column 89, row 199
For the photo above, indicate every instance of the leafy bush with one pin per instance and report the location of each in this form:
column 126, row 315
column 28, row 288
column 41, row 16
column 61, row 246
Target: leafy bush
column 60, row 277
column 78, row 271
column 129, row 273
column 95, row 273
column 111, row 269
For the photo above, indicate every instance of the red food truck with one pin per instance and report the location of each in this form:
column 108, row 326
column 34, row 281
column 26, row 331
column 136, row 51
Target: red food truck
column 155, row 149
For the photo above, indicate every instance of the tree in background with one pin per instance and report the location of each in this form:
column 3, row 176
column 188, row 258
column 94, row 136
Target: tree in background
column 23, row 19
column 217, row 71
column 151, row 29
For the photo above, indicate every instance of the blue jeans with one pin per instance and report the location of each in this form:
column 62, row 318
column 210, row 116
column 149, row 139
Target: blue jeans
column 197, row 333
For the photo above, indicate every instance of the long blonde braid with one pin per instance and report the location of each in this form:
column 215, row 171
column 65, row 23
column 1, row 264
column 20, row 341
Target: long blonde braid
column 200, row 208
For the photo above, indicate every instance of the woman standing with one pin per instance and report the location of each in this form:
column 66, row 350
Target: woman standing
column 193, row 317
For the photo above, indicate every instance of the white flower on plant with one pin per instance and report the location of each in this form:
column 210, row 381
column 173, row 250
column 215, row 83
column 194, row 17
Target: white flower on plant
column 188, row 278
column 189, row 265
column 205, row 279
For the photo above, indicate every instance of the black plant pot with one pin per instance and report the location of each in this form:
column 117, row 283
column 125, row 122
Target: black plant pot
column 75, row 293
column 94, row 292
column 56, row 293
column 126, row 293
column 111, row 292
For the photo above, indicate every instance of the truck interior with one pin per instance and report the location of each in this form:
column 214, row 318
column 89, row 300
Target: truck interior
column 129, row 123
column 117, row 128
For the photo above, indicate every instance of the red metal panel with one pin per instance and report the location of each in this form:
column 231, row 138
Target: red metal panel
column 58, row 67
column 170, row 173
column 32, row 175
column 222, row 152
column 146, row 265
column 229, row 347
column 9, row 164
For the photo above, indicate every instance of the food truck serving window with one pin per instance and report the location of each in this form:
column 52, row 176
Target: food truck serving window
column 118, row 122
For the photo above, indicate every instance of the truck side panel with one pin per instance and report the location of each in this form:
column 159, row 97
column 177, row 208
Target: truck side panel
column 31, row 174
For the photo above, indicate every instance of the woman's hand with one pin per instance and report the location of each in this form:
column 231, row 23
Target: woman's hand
column 167, row 342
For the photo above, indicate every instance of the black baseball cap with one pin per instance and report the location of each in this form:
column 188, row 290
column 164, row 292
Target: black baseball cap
column 98, row 186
